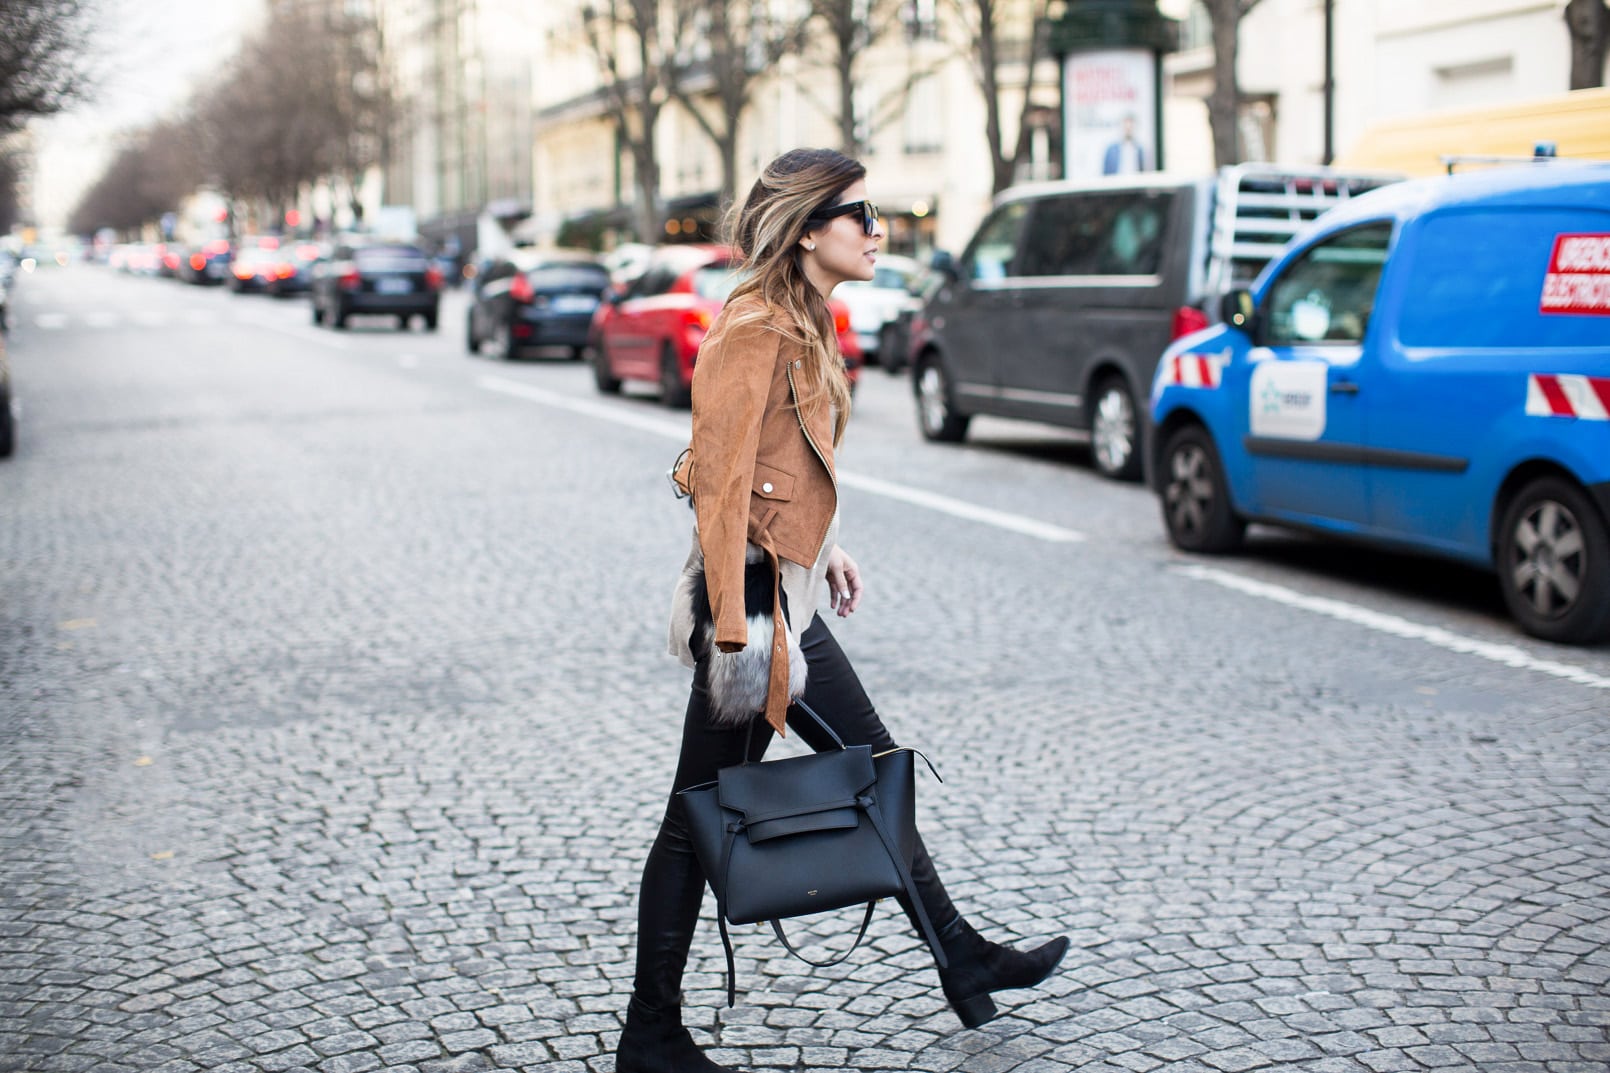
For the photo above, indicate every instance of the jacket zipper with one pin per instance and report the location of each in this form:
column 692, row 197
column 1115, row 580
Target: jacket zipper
column 788, row 370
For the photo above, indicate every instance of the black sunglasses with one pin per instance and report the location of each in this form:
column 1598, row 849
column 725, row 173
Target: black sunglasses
column 868, row 211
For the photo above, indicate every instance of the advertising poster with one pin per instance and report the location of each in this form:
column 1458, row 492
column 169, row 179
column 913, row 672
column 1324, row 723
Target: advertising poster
column 1111, row 105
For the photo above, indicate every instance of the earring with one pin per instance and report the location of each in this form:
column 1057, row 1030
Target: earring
column 810, row 247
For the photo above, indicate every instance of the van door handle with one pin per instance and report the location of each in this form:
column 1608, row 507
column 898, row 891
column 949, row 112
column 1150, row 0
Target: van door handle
column 1344, row 387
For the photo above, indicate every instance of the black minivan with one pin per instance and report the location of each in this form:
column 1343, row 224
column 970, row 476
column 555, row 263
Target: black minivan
column 1068, row 292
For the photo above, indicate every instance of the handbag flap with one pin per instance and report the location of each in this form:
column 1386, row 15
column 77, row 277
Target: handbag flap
column 798, row 787
column 833, row 819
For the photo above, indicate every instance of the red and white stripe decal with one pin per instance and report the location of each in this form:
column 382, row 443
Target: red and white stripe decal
column 1568, row 395
column 1194, row 370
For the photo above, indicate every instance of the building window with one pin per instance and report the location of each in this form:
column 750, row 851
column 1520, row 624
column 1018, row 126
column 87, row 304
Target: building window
column 924, row 121
column 921, row 18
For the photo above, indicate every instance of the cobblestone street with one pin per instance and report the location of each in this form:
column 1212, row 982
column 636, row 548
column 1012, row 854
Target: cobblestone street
column 337, row 723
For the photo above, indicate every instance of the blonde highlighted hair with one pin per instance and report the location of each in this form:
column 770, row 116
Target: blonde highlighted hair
column 765, row 231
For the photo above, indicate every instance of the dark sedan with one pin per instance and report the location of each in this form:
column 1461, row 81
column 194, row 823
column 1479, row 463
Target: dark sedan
column 385, row 279
column 533, row 300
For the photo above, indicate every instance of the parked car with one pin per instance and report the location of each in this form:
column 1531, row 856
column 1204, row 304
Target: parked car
column 651, row 331
column 207, row 263
column 875, row 304
column 1069, row 291
column 255, row 263
column 8, row 420
column 293, row 269
column 384, row 278
column 1427, row 369
column 536, row 299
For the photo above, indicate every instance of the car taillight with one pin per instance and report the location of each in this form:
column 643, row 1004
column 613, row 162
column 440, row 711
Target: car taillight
column 351, row 279
column 215, row 247
column 243, row 272
column 841, row 320
column 197, row 261
column 284, row 271
column 1188, row 319
column 433, row 278
column 520, row 289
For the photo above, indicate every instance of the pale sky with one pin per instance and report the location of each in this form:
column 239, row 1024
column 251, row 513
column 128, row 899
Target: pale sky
column 149, row 55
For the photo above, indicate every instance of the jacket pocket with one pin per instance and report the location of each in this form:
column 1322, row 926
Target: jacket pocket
column 773, row 483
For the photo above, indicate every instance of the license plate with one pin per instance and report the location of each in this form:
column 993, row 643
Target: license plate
column 393, row 286
column 574, row 303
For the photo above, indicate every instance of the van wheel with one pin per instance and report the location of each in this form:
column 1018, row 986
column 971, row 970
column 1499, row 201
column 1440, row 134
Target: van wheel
column 471, row 342
column 1115, row 432
column 607, row 384
column 1195, row 497
column 318, row 313
column 936, row 412
column 673, row 392
column 1554, row 563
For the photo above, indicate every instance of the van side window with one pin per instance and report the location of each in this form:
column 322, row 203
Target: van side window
column 991, row 254
column 1327, row 294
column 1097, row 234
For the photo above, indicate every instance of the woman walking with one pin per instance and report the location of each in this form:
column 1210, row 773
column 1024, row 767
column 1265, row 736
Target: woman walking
column 770, row 405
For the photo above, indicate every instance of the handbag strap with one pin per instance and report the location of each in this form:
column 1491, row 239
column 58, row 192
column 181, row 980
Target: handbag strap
column 869, row 805
column 866, row 921
column 749, row 738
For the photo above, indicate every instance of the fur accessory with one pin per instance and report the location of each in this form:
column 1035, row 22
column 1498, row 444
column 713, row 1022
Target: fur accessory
column 737, row 681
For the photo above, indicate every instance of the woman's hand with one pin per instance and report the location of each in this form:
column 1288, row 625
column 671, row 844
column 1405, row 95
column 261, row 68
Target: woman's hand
column 843, row 582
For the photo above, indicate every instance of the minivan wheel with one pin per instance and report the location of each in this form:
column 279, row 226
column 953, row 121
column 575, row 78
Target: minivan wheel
column 936, row 415
column 1195, row 497
column 1554, row 563
column 1114, row 432
column 471, row 342
column 673, row 392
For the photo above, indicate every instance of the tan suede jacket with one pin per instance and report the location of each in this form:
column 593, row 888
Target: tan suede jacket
column 762, row 468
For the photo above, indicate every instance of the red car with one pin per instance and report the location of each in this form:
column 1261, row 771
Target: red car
column 652, row 331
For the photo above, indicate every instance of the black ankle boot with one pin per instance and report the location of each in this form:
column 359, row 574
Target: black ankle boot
column 979, row 967
column 654, row 1041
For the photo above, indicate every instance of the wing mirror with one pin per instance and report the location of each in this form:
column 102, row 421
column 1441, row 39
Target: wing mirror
column 943, row 263
column 1238, row 310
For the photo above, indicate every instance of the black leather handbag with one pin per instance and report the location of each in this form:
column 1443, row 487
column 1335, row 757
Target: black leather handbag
column 808, row 834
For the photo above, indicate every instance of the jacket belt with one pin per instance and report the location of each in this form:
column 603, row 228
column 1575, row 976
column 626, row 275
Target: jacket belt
column 777, row 685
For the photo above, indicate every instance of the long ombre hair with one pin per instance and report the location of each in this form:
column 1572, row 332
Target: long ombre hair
column 765, row 232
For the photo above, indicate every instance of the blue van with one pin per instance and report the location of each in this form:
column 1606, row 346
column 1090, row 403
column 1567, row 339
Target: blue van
column 1427, row 367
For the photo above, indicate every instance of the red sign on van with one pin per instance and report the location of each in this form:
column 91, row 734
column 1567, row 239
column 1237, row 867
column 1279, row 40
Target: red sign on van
column 1578, row 279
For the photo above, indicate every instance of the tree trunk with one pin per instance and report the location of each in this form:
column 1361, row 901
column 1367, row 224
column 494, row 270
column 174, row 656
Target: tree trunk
column 1224, row 103
column 849, row 144
column 990, row 82
column 1588, row 22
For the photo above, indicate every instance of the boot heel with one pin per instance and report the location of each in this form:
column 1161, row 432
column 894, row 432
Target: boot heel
column 974, row 1011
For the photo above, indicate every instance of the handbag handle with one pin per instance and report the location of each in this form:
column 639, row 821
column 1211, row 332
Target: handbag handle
column 749, row 738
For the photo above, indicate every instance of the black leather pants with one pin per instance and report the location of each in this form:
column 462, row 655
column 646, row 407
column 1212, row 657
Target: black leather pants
column 673, row 882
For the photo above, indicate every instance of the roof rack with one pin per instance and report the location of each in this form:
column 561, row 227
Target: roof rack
column 1543, row 153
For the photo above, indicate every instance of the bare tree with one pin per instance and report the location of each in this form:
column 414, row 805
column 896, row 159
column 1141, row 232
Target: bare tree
column 10, row 206
column 628, row 39
column 42, row 50
column 1224, row 102
column 852, row 28
column 308, row 98
column 724, row 49
column 149, row 176
column 995, row 43
column 1588, row 22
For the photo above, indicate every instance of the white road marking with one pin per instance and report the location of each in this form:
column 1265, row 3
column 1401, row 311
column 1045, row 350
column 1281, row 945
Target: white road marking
column 50, row 321
column 1508, row 655
column 408, row 361
column 959, row 508
column 102, row 319
column 678, row 430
